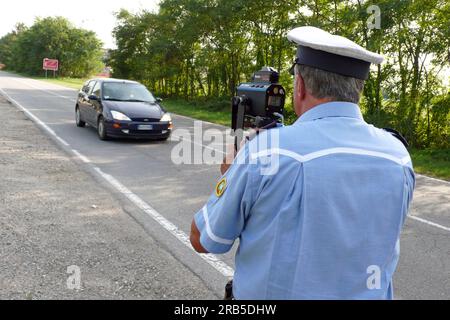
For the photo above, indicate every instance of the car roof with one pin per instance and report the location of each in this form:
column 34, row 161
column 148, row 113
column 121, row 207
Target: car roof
column 113, row 80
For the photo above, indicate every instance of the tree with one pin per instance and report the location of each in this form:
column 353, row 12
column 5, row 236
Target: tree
column 78, row 50
column 202, row 49
column 7, row 44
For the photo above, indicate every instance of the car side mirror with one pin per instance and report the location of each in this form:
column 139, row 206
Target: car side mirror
column 93, row 97
column 159, row 100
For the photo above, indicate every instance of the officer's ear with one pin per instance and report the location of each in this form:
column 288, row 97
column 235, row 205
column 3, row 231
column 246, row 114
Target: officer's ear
column 300, row 87
column 299, row 94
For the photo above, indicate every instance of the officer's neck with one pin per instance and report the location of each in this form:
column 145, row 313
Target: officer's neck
column 310, row 102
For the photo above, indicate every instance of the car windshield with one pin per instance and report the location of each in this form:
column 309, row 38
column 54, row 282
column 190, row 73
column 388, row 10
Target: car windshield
column 122, row 91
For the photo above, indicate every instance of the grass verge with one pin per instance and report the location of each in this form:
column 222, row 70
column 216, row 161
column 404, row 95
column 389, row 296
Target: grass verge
column 198, row 110
column 73, row 83
column 434, row 163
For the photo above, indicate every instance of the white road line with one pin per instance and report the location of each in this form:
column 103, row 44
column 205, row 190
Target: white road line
column 46, row 90
column 34, row 118
column 52, row 84
column 434, row 179
column 62, row 141
column 211, row 259
column 219, row 265
column 53, row 133
column 429, row 223
column 80, row 156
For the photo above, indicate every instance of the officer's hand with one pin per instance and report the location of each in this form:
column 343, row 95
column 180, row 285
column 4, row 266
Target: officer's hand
column 231, row 152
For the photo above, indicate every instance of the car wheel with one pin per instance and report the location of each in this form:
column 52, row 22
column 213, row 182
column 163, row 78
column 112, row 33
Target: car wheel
column 101, row 129
column 80, row 123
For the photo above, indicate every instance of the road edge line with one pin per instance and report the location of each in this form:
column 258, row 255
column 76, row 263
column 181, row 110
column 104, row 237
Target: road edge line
column 433, row 224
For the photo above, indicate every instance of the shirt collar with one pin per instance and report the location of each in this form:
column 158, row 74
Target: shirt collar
column 332, row 109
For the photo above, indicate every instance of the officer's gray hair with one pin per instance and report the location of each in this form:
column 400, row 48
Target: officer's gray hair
column 323, row 84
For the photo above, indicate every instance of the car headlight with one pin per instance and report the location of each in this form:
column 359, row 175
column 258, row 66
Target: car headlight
column 119, row 116
column 166, row 118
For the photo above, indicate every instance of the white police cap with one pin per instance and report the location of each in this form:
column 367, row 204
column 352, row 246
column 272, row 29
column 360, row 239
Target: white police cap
column 322, row 50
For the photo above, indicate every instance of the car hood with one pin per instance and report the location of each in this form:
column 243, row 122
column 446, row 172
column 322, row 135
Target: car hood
column 136, row 109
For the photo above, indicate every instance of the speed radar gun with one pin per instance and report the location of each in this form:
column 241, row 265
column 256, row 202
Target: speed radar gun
column 258, row 104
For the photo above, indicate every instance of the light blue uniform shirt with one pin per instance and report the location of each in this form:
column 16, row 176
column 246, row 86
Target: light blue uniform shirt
column 318, row 209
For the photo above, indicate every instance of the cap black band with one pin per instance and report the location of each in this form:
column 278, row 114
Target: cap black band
column 331, row 62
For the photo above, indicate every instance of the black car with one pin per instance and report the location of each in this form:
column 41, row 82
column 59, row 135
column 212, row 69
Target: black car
column 120, row 109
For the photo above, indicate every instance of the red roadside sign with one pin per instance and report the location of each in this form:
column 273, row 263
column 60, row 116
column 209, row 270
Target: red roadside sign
column 50, row 64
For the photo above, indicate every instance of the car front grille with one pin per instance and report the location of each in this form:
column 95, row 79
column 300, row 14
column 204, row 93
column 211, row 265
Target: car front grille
column 149, row 120
column 145, row 132
column 155, row 126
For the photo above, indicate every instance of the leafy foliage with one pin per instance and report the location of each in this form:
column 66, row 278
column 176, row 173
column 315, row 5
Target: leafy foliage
column 78, row 50
column 194, row 49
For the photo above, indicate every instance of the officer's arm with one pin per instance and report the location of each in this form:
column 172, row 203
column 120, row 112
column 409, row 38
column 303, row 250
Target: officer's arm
column 195, row 239
column 220, row 222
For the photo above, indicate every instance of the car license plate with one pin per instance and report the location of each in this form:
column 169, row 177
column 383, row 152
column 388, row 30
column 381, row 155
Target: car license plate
column 145, row 127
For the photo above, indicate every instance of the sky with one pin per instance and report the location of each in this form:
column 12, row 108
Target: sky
column 95, row 15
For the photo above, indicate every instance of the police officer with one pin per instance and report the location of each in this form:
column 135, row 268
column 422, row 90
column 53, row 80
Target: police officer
column 326, row 223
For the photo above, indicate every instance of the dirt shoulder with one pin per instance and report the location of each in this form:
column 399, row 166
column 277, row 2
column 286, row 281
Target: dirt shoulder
column 54, row 215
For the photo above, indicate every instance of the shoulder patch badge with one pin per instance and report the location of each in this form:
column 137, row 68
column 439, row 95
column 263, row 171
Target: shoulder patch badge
column 221, row 187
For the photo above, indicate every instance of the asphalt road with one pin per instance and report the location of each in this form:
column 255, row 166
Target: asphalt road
column 162, row 197
column 54, row 217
